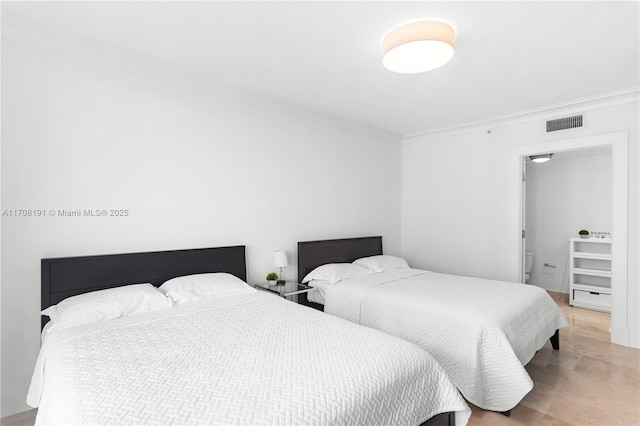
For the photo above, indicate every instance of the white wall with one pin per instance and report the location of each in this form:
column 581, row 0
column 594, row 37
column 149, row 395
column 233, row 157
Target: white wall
column 456, row 202
column 453, row 205
column 571, row 192
column 193, row 169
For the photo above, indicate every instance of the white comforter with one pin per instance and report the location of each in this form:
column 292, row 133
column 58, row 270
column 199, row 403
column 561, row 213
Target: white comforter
column 250, row 359
column 481, row 331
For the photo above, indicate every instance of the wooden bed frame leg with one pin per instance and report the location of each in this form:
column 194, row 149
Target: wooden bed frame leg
column 506, row 413
column 555, row 340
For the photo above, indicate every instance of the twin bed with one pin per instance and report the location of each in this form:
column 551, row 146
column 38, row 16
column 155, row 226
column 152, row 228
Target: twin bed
column 481, row 331
column 220, row 352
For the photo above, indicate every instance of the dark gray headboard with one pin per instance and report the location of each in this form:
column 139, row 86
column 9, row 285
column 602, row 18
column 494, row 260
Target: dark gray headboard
column 69, row 276
column 312, row 254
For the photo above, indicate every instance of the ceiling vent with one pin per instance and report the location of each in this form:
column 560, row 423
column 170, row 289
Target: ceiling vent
column 564, row 123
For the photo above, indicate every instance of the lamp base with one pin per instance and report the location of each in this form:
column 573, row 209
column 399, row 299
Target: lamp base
column 280, row 282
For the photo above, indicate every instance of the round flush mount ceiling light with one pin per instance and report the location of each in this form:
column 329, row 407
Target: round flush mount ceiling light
column 418, row 47
column 542, row 158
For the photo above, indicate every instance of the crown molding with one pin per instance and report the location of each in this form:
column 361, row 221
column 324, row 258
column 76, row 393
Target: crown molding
column 552, row 111
column 46, row 37
column 43, row 36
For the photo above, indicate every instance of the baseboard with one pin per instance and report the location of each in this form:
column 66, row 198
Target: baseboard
column 620, row 336
column 13, row 402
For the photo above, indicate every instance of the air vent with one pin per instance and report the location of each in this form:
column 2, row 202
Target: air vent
column 564, row 123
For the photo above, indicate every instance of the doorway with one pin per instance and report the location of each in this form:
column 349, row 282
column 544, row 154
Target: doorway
column 618, row 142
column 571, row 191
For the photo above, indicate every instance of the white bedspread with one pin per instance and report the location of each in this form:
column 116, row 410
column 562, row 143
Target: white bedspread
column 318, row 294
column 481, row 331
column 250, row 359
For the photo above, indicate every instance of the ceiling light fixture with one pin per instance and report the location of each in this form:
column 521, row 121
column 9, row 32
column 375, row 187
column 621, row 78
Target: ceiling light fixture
column 418, row 47
column 542, row 158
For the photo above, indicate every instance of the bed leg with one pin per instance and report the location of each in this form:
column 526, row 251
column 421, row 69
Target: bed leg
column 506, row 413
column 555, row 340
column 442, row 419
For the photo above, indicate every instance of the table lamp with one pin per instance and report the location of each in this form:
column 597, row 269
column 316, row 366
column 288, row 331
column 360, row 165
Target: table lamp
column 280, row 260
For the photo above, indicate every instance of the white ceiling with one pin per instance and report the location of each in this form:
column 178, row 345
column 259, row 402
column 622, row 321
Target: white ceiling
column 325, row 56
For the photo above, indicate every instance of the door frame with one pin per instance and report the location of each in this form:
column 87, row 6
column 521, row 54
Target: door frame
column 619, row 143
column 523, row 219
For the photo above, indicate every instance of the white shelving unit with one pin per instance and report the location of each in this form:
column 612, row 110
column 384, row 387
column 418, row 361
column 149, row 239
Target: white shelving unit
column 590, row 273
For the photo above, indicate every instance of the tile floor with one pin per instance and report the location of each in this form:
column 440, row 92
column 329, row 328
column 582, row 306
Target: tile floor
column 588, row 382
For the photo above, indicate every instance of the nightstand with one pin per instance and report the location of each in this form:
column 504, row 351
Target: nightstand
column 289, row 290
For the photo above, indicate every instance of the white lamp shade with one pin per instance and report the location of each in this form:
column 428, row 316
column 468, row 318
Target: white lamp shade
column 280, row 258
column 418, row 47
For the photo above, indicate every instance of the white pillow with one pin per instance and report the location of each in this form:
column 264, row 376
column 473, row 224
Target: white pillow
column 334, row 272
column 190, row 288
column 382, row 263
column 103, row 305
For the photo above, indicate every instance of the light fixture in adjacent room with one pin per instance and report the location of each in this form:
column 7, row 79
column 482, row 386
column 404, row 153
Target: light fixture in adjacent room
column 542, row 158
column 280, row 260
column 418, row 47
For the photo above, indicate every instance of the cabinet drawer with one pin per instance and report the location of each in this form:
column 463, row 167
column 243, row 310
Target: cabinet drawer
column 593, row 300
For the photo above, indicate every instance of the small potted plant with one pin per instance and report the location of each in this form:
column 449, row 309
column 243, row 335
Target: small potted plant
column 272, row 277
column 583, row 233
